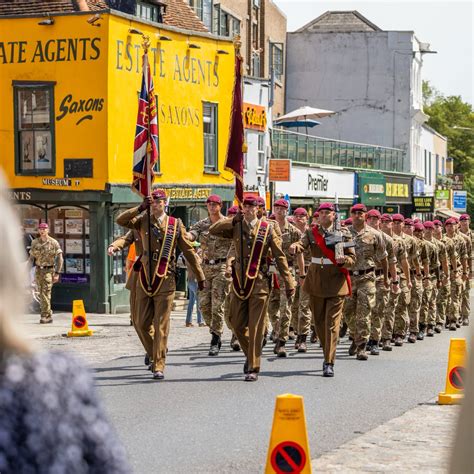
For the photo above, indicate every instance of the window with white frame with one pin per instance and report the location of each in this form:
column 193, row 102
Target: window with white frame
column 261, row 152
column 210, row 136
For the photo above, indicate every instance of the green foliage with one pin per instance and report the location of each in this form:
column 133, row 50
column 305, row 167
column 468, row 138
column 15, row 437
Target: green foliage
column 452, row 117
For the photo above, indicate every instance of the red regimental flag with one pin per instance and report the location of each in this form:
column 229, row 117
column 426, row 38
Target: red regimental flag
column 145, row 151
column 235, row 157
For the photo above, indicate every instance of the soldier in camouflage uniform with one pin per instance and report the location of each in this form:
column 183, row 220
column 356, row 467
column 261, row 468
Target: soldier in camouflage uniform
column 447, row 248
column 369, row 249
column 47, row 256
column 300, row 308
column 457, row 274
column 464, row 230
column 399, row 270
column 290, row 236
column 214, row 259
column 431, row 279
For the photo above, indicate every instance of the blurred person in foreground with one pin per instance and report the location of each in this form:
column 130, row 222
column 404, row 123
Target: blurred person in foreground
column 50, row 416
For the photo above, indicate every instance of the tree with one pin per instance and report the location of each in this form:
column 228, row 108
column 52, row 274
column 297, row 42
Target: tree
column 452, row 117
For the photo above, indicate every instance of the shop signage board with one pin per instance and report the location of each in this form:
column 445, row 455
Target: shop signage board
column 188, row 193
column 459, row 201
column 390, row 209
column 442, row 194
column 398, row 189
column 255, row 117
column 458, row 181
column 317, row 182
column 279, row 170
column 372, row 189
column 423, row 204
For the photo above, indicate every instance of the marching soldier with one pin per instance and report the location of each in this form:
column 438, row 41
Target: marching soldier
column 369, row 249
column 155, row 295
column 301, row 312
column 464, row 229
column 249, row 295
column 214, row 258
column 290, row 235
column 47, row 256
column 327, row 282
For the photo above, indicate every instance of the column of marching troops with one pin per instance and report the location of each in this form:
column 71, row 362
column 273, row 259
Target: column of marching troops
column 278, row 278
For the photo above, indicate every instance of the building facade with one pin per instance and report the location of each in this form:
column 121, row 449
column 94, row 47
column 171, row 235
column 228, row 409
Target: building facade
column 67, row 124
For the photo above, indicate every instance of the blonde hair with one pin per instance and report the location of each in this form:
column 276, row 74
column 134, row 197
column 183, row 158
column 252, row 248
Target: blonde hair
column 13, row 277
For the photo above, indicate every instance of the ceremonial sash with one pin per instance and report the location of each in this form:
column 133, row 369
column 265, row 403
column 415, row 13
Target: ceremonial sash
column 163, row 260
column 331, row 255
column 254, row 263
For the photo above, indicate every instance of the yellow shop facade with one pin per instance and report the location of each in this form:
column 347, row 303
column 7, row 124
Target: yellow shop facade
column 69, row 100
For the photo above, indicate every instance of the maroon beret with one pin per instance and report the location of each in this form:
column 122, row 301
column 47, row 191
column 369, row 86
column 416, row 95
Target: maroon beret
column 261, row 201
column 43, row 225
column 328, row 206
column 437, row 222
column 465, row 217
column 417, row 221
column 374, row 213
column 398, row 218
column 451, row 220
column 232, row 210
column 159, row 194
column 281, row 203
column 214, row 198
column 409, row 222
column 315, row 214
column 300, row 211
column 419, row 226
column 386, row 218
column 250, row 200
column 359, row 208
column 428, row 225
column 348, row 221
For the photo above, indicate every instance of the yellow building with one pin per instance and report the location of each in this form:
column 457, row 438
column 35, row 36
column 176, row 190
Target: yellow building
column 67, row 122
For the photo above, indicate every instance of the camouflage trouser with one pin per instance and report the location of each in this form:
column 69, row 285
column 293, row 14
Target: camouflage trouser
column 274, row 306
column 44, row 285
column 285, row 311
column 389, row 315
column 465, row 303
column 359, row 306
column 301, row 313
column 212, row 297
column 442, row 303
column 382, row 296
column 415, row 304
column 401, row 323
column 428, row 304
column 453, row 311
column 227, row 308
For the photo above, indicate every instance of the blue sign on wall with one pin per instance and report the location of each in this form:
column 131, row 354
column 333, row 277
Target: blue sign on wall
column 459, row 201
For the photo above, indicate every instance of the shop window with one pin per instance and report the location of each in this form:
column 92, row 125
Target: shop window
column 261, row 152
column 119, row 260
column 210, row 136
column 70, row 225
column 34, row 128
column 276, row 60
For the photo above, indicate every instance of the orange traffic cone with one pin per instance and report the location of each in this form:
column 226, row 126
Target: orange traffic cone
column 79, row 321
column 455, row 376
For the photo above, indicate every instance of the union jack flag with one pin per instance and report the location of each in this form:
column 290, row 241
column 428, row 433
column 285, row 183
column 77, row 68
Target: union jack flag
column 145, row 151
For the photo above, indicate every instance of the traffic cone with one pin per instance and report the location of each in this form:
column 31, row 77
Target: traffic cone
column 79, row 321
column 289, row 448
column 455, row 376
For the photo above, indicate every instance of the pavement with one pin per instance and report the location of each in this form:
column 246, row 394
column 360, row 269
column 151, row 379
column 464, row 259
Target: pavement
column 374, row 416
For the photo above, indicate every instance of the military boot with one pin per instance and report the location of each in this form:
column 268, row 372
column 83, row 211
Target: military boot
column 374, row 348
column 297, row 342
column 353, row 349
column 343, row 330
column 302, row 347
column 452, row 326
column 465, row 321
column 412, row 338
column 314, row 338
column 234, row 343
column 215, row 345
column 438, row 328
column 421, row 333
column 398, row 341
column 281, row 352
column 386, row 345
column 291, row 334
column 430, row 331
column 361, row 352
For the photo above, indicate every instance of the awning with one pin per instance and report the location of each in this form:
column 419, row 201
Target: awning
column 447, row 213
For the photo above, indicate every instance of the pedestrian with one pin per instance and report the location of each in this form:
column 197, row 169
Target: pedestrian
column 193, row 294
column 369, row 249
column 47, row 256
column 155, row 295
column 51, row 419
column 214, row 257
column 327, row 282
column 248, row 298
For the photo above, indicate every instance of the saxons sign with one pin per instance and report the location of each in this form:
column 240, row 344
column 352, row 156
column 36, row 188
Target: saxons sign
column 255, row 117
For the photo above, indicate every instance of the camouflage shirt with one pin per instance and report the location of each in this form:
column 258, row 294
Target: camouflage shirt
column 47, row 254
column 461, row 250
column 389, row 246
column 415, row 250
column 289, row 235
column 369, row 247
column 399, row 249
column 213, row 247
column 433, row 254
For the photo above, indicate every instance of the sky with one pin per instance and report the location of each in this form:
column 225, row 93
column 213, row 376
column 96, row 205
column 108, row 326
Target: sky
column 446, row 25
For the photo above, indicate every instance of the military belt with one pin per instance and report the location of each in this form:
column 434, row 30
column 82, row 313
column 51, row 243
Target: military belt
column 214, row 261
column 361, row 272
column 47, row 267
column 321, row 261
